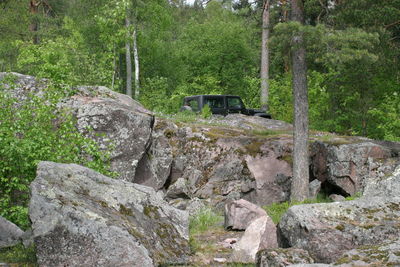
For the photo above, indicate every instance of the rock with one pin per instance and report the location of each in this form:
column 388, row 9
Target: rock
column 327, row 230
column 228, row 243
column 261, row 234
column 314, row 187
column 10, row 234
column 114, row 120
column 155, row 166
column 179, row 189
column 336, row 198
column 241, row 213
column 385, row 254
column 282, row 257
column 80, row 217
column 387, row 186
column 351, row 164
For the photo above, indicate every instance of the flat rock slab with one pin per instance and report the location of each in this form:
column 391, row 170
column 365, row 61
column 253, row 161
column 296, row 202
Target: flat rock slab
column 328, row 230
column 82, row 218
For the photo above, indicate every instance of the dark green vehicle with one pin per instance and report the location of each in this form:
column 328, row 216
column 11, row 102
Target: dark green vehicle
column 221, row 104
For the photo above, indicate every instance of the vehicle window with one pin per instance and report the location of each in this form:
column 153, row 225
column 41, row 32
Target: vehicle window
column 194, row 104
column 215, row 102
column 234, row 102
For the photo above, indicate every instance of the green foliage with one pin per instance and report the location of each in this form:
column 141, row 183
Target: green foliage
column 31, row 131
column 25, row 257
column 203, row 220
column 276, row 210
column 355, row 196
column 206, row 112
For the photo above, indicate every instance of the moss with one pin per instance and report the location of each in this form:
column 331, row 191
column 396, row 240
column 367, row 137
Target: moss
column 356, row 257
column 169, row 133
column 340, row 227
column 19, row 254
column 343, row 260
column 394, row 206
column 151, row 212
column 104, row 204
column 254, row 148
column 135, row 233
column 125, row 211
column 288, row 158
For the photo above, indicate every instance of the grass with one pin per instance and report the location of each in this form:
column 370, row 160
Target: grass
column 205, row 219
column 355, row 196
column 19, row 256
column 276, row 210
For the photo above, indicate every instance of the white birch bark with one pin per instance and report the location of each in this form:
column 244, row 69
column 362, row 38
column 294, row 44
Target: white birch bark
column 128, row 60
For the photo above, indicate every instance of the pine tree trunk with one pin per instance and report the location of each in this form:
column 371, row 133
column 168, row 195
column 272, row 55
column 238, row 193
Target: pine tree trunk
column 265, row 57
column 34, row 26
column 136, row 60
column 128, row 60
column 300, row 181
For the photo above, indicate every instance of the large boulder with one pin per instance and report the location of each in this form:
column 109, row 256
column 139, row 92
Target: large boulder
column 82, row 218
column 259, row 235
column 328, row 230
column 114, row 121
column 349, row 164
column 10, row 234
column 239, row 214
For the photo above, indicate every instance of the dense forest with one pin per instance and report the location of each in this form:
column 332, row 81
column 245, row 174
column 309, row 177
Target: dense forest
column 158, row 51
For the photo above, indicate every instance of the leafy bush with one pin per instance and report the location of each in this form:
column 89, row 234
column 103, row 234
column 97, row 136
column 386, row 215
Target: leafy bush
column 206, row 112
column 31, row 131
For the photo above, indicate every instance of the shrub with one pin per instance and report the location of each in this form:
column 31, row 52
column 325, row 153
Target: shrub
column 35, row 130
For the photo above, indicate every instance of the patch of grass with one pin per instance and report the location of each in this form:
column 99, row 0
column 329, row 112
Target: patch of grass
column 276, row 210
column 25, row 257
column 238, row 264
column 355, row 196
column 186, row 117
column 205, row 219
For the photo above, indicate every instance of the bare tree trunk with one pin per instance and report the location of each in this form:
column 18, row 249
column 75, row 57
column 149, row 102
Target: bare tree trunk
column 300, row 181
column 114, row 68
column 128, row 60
column 136, row 60
column 265, row 57
column 34, row 26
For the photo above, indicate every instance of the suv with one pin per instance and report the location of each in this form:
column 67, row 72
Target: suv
column 220, row 104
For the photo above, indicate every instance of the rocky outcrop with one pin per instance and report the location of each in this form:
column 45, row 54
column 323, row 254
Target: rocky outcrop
column 350, row 164
column 282, row 257
column 240, row 214
column 221, row 163
column 10, row 234
column 259, row 235
column 114, row 121
column 82, row 218
column 327, row 230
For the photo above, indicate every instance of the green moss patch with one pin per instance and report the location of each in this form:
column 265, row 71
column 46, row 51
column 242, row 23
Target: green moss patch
column 19, row 255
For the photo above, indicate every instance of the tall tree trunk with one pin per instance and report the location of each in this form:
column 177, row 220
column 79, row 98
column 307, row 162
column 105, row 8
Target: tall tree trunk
column 136, row 59
column 128, row 59
column 300, row 181
column 34, row 26
column 265, row 57
column 114, row 68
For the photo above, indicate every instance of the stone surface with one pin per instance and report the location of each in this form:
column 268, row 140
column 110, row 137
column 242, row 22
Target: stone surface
column 350, row 165
column 259, row 235
column 117, row 121
column 313, row 188
column 386, row 186
column 337, row 198
column 327, row 230
column 221, row 163
column 282, row 257
column 239, row 214
column 82, row 218
column 10, row 234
